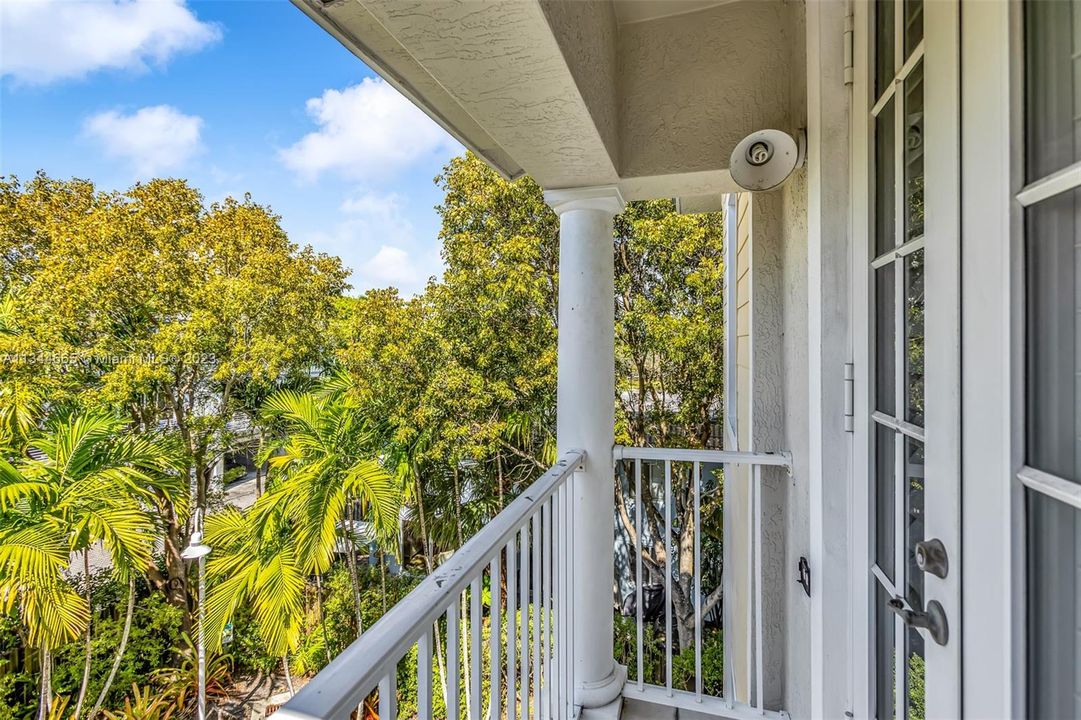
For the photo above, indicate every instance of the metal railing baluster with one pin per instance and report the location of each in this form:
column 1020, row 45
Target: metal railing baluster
column 476, row 704
column 560, row 592
column 453, row 669
column 749, row 605
column 388, row 700
column 523, row 622
column 424, row 675
column 697, row 480
column 668, row 576
column 512, row 627
column 569, row 607
column 535, row 594
column 495, row 641
column 546, row 609
column 728, row 677
column 638, row 567
column 759, row 695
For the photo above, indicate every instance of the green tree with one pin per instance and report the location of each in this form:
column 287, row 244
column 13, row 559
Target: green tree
column 324, row 474
column 160, row 307
column 255, row 563
column 95, row 483
column 670, row 379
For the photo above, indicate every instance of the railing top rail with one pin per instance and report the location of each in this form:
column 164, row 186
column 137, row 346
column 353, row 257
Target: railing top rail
column 780, row 459
column 339, row 687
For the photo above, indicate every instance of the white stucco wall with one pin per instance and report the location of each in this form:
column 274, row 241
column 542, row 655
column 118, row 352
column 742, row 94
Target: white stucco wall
column 774, row 291
column 773, row 415
column 797, row 680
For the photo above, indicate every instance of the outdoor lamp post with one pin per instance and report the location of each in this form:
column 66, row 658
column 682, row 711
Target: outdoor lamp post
column 197, row 550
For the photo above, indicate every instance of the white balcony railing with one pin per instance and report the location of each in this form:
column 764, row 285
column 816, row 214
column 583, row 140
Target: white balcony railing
column 530, row 538
column 749, row 625
column 530, row 675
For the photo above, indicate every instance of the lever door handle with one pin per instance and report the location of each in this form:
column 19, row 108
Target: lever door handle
column 933, row 619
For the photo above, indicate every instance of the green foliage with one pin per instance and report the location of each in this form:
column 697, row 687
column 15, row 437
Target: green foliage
column 669, row 323
column 327, row 457
column 94, row 484
column 143, row 704
column 158, row 307
column 156, row 629
column 155, row 632
column 255, row 563
column 917, row 689
column 683, row 662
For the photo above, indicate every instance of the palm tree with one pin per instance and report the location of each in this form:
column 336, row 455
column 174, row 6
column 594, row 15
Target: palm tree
column 94, row 484
column 255, row 561
column 326, row 466
column 33, row 555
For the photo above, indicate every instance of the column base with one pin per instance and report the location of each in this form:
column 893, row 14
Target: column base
column 598, row 694
column 611, row 711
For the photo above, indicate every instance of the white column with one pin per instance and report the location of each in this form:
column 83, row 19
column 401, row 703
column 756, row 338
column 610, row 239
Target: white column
column 586, row 421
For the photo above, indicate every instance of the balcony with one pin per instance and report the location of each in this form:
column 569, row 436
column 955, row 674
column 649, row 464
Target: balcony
column 530, row 668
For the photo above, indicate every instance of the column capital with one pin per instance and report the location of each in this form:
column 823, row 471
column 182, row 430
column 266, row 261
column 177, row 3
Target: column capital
column 597, row 197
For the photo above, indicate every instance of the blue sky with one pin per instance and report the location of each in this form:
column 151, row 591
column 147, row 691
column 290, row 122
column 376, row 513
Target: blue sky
column 236, row 96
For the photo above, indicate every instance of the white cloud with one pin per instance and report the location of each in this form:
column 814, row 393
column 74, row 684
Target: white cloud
column 366, row 132
column 44, row 41
column 152, row 139
column 390, row 266
column 380, row 220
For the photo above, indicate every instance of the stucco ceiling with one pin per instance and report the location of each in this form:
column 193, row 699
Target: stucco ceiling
column 651, row 95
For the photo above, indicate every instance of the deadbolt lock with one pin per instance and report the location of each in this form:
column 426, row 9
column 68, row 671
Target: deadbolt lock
column 931, row 557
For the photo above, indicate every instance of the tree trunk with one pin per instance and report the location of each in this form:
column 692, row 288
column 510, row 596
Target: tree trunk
column 430, row 563
column 465, row 651
column 354, row 578
column 119, row 651
column 499, row 474
column 319, row 612
column 288, row 675
column 45, row 699
column 89, row 655
column 383, row 578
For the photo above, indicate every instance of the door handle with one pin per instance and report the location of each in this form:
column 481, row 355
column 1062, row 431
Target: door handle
column 933, row 619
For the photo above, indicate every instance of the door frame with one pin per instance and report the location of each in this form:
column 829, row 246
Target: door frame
column 942, row 283
column 993, row 356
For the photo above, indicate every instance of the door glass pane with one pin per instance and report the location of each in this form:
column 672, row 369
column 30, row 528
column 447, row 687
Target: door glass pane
column 914, row 153
column 914, row 370
column 885, row 499
column 1053, row 254
column 1054, row 592
column 914, row 676
column 885, row 22
column 885, row 627
column 914, row 487
column 885, row 180
column 1052, row 42
column 913, row 25
column 885, row 331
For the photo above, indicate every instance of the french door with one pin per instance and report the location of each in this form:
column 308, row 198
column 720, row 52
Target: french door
column 907, row 248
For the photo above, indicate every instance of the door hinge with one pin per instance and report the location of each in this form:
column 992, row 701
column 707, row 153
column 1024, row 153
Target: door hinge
column 849, row 52
column 850, row 396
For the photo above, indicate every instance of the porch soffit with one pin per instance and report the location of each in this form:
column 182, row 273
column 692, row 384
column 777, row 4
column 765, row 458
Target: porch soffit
column 574, row 95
